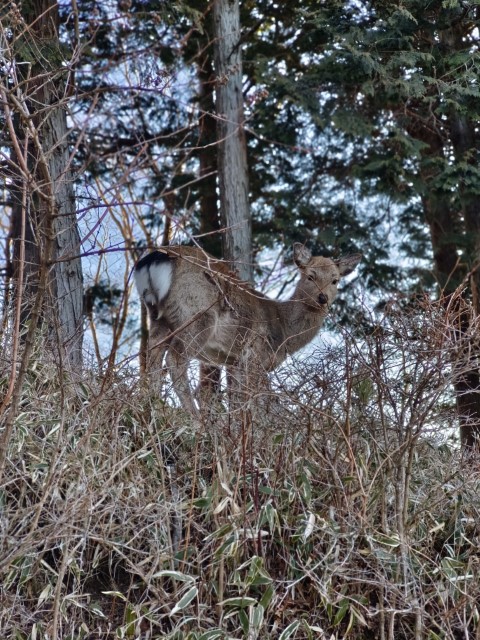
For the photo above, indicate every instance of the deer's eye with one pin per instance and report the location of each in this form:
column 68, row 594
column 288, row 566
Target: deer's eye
column 335, row 281
column 311, row 277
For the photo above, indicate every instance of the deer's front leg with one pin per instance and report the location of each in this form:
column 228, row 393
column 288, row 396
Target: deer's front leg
column 250, row 384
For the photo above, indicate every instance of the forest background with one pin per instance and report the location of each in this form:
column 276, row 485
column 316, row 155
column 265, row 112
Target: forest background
column 359, row 128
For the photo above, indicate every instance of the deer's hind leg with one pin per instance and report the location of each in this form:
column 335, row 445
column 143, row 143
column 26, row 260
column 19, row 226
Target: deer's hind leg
column 158, row 344
column 177, row 362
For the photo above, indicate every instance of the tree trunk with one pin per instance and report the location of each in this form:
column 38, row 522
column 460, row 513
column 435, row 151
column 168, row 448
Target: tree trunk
column 463, row 135
column 445, row 232
column 232, row 153
column 49, row 206
column 210, row 238
column 209, row 216
column 449, row 274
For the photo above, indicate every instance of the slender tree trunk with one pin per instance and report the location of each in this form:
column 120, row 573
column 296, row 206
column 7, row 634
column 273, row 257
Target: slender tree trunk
column 445, row 232
column 232, row 153
column 449, row 274
column 210, row 376
column 49, row 209
column 207, row 156
column 464, row 137
column 67, row 280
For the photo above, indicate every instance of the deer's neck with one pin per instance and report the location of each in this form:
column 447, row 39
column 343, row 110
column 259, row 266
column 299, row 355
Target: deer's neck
column 299, row 322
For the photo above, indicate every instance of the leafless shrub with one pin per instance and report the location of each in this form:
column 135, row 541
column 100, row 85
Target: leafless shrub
column 349, row 513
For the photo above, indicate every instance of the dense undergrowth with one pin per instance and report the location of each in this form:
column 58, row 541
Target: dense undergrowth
column 349, row 512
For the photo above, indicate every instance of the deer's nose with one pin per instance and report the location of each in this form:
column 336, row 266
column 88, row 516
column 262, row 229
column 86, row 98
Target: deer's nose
column 322, row 298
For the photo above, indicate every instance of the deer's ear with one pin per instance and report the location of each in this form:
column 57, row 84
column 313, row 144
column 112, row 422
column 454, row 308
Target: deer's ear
column 301, row 255
column 346, row 264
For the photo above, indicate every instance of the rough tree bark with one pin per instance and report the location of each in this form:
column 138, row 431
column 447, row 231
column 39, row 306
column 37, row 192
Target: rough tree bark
column 464, row 136
column 210, row 238
column 445, row 224
column 232, row 153
column 49, row 207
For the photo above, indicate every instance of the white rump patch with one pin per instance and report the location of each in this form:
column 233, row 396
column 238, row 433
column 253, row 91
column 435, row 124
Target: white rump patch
column 161, row 278
column 153, row 281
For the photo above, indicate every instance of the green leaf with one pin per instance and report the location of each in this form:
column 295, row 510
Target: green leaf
column 268, row 491
column 257, row 574
column 239, row 602
column 213, row 634
column 175, row 575
column 267, row 596
column 244, row 622
column 390, row 541
column 184, row 601
column 131, row 619
column 117, row 594
column 290, row 630
column 219, row 533
column 45, row 594
column 256, row 617
column 339, row 616
column 201, row 503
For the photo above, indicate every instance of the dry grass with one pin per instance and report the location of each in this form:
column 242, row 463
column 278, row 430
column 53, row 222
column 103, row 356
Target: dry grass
column 349, row 513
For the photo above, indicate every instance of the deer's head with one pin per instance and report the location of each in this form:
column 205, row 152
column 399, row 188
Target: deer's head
column 319, row 276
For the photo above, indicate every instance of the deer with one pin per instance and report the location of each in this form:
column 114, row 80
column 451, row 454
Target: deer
column 199, row 309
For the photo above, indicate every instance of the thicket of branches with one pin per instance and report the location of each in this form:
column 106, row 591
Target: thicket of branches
column 350, row 511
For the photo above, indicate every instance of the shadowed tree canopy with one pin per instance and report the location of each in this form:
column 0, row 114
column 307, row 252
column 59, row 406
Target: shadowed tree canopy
column 399, row 82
